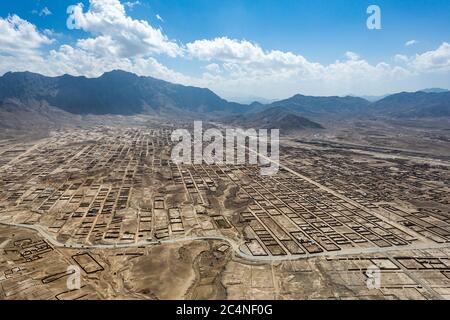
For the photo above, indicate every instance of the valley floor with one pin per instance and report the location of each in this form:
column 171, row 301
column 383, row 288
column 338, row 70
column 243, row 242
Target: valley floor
column 348, row 201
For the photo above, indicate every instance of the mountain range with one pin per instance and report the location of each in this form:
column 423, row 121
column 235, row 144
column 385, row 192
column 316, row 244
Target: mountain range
column 123, row 93
column 418, row 104
column 115, row 92
column 274, row 117
column 324, row 106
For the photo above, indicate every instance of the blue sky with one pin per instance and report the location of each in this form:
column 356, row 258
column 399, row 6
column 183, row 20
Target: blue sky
column 239, row 48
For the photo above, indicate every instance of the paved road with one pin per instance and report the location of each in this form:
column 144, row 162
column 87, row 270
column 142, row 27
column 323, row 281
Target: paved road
column 434, row 294
column 236, row 246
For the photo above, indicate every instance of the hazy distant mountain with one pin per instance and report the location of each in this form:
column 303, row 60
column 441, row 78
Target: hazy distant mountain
column 414, row 105
column 377, row 98
column 324, row 106
column 251, row 99
column 434, row 90
column 25, row 96
column 274, row 118
column 115, row 92
column 374, row 98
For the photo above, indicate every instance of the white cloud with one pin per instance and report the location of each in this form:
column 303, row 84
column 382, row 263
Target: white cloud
column 52, row 33
column 355, row 76
column 411, row 43
column 401, row 58
column 131, row 4
column 231, row 67
column 213, row 68
column 226, row 49
column 118, row 33
column 351, row 55
column 159, row 18
column 20, row 37
column 246, row 65
column 433, row 61
column 45, row 12
column 245, row 59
